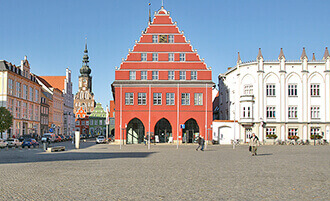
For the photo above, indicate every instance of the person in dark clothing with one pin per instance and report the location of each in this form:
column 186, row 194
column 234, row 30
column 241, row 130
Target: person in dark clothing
column 200, row 142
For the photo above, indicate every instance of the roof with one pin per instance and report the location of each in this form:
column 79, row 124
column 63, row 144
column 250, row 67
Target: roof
column 55, row 81
column 44, row 82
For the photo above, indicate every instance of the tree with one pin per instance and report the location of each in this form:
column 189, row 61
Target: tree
column 6, row 120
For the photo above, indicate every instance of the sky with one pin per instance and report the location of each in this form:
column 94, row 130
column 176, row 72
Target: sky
column 52, row 33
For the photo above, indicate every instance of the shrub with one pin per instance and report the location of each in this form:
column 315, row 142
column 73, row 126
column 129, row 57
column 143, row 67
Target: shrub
column 271, row 136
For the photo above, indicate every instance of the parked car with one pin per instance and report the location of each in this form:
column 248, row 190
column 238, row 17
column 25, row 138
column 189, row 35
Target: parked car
column 67, row 137
column 58, row 138
column 62, row 138
column 3, row 144
column 100, row 139
column 48, row 137
column 30, row 143
column 14, row 142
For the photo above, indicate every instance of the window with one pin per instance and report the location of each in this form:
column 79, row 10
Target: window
column 142, row 98
column 182, row 75
column 25, row 92
column 31, row 94
column 248, row 89
column 270, row 90
column 193, row 75
column 96, row 123
column 18, row 90
column 25, row 110
column 154, row 39
column 83, row 123
column 100, row 122
column 185, row 99
column 315, row 131
column 129, row 98
column 37, row 96
column 77, row 123
column 315, row 90
column 315, row 112
column 144, row 75
column 171, row 75
column 18, row 109
column 246, row 112
column 157, row 98
column 198, row 99
column 170, row 56
column 182, row 57
column 271, row 112
column 292, row 90
column 143, row 56
column 292, row 112
column 270, row 131
column 91, row 122
column 292, row 132
column 169, row 98
column 155, row 75
column 171, row 38
column 154, row 56
column 10, row 87
column 132, row 75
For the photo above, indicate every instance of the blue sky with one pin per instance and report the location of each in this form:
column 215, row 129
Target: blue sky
column 52, row 33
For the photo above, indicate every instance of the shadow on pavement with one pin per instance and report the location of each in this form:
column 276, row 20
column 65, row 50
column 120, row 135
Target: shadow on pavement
column 66, row 156
column 264, row 154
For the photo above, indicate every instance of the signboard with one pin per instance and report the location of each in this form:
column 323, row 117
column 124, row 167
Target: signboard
column 50, row 130
column 53, row 125
column 182, row 126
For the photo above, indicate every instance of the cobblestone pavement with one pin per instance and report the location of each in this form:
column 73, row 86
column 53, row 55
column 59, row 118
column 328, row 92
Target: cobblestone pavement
column 103, row 172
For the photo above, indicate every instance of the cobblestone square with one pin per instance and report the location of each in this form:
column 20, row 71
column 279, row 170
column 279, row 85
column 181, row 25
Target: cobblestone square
column 104, row 172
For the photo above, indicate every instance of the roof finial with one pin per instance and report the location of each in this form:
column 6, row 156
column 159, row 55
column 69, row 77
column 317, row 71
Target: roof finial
column 326, row 54
column 281, row 55
column 86, row 51
column 303, row 55
column 162, row 3
column 313, row 59
column 259, row 55
column 239, row 58
column 149, row 4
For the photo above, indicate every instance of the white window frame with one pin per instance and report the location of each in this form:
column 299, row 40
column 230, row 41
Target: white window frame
column 182, row 75
column 315, row 131
column 270, row 131
column 157, row 98
column 155, row 75
column 171, row 38
column 315, row 90
column 292, row 131
column 271, row 112
column 171, row 57
column 170, row 98
column 315, row 112
column 198, row 98
column 193, row 75
column 292, row 90
column 171, row 75
column 292, row 112
column 129, row 98
column 182, row 57
column 142, row 98
column 154, row 38
column 132, row 75
column 185, row 98
column 154, row 56
column 144, row 57
column 248, row 89
column 271, row 90
column 144, row 75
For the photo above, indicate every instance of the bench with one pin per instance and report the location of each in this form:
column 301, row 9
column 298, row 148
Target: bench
column 58, row 148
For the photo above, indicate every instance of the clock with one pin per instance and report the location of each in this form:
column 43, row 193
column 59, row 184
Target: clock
column 163, row 38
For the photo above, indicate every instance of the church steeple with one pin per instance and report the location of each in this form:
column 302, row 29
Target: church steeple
column 85, row 70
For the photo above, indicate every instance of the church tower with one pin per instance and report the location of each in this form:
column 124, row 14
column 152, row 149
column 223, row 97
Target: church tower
column 84, row 98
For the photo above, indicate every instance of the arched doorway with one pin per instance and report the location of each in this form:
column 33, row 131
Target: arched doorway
column 163, row 130
column 135, row 132
column 190, row 132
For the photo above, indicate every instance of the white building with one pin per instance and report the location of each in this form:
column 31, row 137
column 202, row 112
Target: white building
column 281, row 97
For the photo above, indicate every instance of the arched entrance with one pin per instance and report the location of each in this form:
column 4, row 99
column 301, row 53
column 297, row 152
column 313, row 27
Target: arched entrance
column 163, row 130
column 190, row 132
column 135, row 132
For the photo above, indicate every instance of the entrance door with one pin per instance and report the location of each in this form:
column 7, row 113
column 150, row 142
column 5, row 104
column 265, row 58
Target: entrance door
column 163, row 130
column 191, row 131
column 248, row 134
column 135, row 132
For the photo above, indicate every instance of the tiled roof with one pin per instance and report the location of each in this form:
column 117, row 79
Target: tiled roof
column 44, row 82
column 55, row 81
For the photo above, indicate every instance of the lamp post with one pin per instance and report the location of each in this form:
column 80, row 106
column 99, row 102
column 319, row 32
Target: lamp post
column 234, row 112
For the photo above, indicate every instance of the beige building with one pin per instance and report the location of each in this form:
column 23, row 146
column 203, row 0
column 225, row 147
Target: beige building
column 20, row 93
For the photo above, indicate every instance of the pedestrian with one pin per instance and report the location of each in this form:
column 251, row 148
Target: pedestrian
column 200, row 142
column 254, row 142
column 145, row 140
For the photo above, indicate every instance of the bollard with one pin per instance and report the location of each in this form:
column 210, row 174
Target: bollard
column 45, row 146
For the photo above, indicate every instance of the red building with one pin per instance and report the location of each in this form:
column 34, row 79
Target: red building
column 162, row 88
column 82, row 121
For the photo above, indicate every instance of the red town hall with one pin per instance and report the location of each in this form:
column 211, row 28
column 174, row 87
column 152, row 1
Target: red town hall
column 162, row 88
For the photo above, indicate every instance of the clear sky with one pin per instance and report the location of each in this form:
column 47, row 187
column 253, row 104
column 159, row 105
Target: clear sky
column 52, row 33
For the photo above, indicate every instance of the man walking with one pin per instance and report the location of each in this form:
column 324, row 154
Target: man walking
column 200, row 142
column 254, row 142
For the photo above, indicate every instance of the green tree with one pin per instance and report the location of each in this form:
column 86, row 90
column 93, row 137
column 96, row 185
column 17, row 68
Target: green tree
column 6, row 120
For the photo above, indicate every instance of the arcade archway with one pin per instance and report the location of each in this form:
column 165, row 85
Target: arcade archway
column 190, row 132
column 135, row 132
column 163, row 131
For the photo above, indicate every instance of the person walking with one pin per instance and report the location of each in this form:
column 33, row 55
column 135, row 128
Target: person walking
column 254, row 142
column 200, row 142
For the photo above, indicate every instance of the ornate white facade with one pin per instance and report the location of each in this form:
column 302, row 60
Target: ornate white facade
column 280, row 97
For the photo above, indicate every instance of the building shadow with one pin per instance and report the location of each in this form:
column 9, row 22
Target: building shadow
column 68, row 156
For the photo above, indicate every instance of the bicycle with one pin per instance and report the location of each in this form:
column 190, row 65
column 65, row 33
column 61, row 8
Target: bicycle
column 235, row 142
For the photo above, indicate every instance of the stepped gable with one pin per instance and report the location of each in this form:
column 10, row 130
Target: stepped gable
column 162, row 24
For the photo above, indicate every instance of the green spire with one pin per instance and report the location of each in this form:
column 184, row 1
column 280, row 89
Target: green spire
column 85, row 70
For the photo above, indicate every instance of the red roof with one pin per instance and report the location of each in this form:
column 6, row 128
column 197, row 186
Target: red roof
column 55, row 81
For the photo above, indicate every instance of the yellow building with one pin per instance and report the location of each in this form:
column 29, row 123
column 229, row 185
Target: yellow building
column 20, row 94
